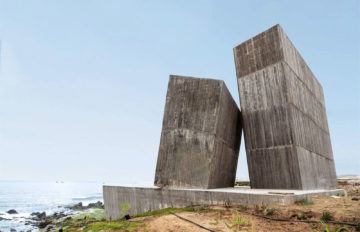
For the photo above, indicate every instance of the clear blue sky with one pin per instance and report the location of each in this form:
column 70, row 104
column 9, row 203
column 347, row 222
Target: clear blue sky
column 83, row 83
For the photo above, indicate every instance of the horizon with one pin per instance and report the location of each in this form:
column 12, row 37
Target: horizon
column 83, row 84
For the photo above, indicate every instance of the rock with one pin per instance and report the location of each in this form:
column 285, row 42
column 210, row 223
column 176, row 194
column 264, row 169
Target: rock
column 3, row 219
column 12, row 230
column 49, row 228
column 78, row 206
column 97, row 205
column 355, row 198
column 44, row 223
column 12, row 211
column 38, row 215
column 58, row 215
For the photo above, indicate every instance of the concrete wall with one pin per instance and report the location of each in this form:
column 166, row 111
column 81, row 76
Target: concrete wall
column 285, row 126
column 200, row 136
column 140, row 200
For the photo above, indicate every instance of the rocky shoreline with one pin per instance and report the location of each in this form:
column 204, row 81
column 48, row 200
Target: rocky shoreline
column 40, row 220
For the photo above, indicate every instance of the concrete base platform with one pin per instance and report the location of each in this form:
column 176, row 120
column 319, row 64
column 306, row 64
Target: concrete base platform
column 145, row 199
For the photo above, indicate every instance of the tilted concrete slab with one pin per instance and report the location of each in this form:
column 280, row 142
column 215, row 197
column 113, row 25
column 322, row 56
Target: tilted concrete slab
column 145, row 199
column 286, row 131
column 200, row 136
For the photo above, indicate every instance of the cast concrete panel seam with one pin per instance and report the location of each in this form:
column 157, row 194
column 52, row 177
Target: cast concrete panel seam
column 297, row 53
column 304, row 84
column 203, row 132
column 250, row 75
column 289, row 146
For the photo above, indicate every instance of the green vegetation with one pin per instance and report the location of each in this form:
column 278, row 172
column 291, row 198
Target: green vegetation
column 237, row 221
column 103, row 226
column 124, row 209
column 265, row 210
column 326, row 216
column 268, row 211
column 327, row 228
column 301, row 216
column 357, row 227
column 243, row 207
column 242, row 183
column 166, row 211
column 340, row 194
column 306, row 201
column 94, row 221
column 96, row 214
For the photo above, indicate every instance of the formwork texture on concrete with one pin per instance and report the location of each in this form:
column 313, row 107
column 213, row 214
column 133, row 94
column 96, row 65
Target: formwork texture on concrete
column 200, row 136
column 286, row 131
column 145, row 199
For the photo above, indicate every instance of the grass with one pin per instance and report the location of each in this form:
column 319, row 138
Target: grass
column 113, row 225
column 237, row 221
column 342, row 194
column 102, row 226
column 124, row 209
column 327, row 228
column 96, row 214
column 242, row 183
column 166, row 211
column 326, row 217
column 243, row 207
column 265, row 210
column 94, row 221
column 301, row 216
column 304, row 202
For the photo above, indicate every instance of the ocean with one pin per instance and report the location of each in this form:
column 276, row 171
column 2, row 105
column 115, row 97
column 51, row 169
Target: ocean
column 49, row 197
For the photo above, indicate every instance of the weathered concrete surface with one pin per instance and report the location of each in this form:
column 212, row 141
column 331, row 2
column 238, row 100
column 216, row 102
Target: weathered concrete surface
column 147, row 199
column 200, row 136
column 286, row 131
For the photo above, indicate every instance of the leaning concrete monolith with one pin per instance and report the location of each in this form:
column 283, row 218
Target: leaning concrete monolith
column 200, row 135
column 286, row 131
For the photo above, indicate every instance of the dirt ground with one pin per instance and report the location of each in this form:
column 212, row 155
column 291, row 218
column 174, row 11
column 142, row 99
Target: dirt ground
column 265, row 218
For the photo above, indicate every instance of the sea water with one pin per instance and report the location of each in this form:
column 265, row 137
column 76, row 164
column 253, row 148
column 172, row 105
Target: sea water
column 49, row 197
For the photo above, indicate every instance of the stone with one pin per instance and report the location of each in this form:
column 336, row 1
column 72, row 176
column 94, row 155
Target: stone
column 12, row 211
column 286, row 130
column 200, row 136
column 38, row 215
column 77, row 206
column 96, row 205
column 44, row 223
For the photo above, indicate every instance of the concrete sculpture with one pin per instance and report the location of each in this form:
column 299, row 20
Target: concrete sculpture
column 286, row 132
column 200, row 138
column 285, row 129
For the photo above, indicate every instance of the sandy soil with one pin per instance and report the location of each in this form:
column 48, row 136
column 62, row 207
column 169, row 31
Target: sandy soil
column 242, row 219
